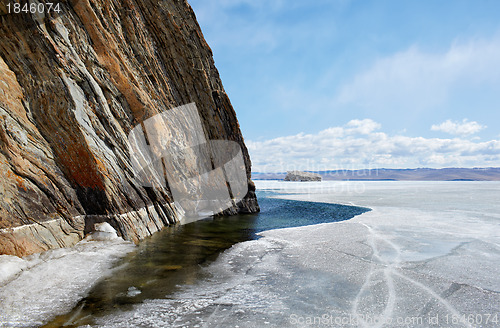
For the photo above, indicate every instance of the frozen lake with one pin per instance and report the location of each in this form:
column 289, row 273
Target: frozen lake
column 427, row 255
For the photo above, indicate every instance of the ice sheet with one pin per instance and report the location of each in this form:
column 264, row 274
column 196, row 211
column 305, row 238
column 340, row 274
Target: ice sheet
column 35, row 288
column 426, row 256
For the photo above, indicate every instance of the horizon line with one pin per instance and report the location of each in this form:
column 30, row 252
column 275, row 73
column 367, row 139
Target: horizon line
column 387, row 169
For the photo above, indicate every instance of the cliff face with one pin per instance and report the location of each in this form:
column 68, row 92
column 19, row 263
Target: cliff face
column 73, row 85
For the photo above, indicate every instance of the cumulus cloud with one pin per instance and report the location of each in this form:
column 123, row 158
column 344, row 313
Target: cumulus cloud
column 463, row 128
column 365, row 126
column 360, row 144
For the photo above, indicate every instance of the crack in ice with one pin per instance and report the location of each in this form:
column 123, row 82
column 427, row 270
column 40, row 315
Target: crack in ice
column 389, row 271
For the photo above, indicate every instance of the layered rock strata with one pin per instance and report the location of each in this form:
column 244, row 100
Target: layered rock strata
column 73, row 85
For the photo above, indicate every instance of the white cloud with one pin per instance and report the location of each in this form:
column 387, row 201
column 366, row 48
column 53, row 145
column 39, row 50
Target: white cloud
column 463, row 128
column 359, row 144
column 416, row 79
column 365, row 126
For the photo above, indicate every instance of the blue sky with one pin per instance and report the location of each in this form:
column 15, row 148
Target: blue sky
column 356, row 84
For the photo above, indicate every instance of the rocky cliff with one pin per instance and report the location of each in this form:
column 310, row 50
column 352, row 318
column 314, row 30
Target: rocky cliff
column 73, row 85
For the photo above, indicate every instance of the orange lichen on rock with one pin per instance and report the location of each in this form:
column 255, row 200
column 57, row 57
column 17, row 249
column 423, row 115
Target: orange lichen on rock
column 11, row 92
column 80, row 165
column 110, row 57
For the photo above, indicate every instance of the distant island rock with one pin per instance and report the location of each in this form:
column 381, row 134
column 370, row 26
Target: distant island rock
column 302, row 176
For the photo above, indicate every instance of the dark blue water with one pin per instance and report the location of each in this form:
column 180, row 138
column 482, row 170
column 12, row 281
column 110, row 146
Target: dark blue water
column 282, row 213
column 174, row 257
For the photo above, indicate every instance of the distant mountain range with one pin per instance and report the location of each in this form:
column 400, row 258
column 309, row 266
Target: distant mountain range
column 420, row 174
